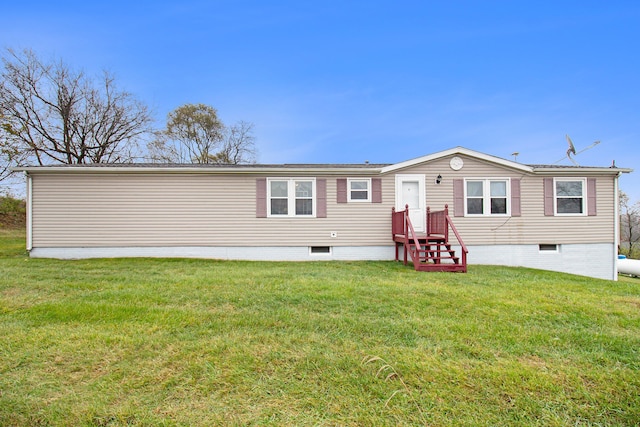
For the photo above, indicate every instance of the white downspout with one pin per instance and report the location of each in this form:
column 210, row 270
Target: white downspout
column 616, row 210
column 29, row 212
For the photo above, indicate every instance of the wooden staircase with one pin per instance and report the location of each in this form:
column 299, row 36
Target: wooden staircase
column 431, row 251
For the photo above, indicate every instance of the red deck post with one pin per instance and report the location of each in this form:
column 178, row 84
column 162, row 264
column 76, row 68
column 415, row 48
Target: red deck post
column 446, row 223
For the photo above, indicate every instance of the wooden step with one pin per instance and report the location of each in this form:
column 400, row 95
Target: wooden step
column 453, row 268
column 437, row 260
column 435, row 255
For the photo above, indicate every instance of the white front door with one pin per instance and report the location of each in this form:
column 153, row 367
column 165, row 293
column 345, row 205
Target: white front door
column 410, row 191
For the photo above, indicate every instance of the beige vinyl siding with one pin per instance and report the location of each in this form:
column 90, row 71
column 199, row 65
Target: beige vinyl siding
column 163, row 209
column 159, row 209
column 532, row 227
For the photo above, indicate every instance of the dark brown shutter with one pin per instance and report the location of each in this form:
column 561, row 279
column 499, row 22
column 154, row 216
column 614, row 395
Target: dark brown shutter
column 341, row 190
column 321, row 198
column 591, row 197
column 261, row 198
column 458, row 197
column 376, row 190
column 548, row 196
column 515, row 197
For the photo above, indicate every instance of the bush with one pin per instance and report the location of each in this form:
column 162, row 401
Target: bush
column 13, row 212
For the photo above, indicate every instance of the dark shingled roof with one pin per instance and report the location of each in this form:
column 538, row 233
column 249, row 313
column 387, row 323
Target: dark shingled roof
column 218, row 166
column 568, row 167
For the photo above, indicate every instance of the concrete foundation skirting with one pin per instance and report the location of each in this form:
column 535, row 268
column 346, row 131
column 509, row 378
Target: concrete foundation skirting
column 594, row 260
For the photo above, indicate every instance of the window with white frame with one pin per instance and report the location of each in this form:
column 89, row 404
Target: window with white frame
column 291, row 197
column 359, row 190
column 485, row 197
column 569, row 196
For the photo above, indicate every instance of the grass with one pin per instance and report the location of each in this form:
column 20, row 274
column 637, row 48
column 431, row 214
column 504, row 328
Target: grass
column 146, row 342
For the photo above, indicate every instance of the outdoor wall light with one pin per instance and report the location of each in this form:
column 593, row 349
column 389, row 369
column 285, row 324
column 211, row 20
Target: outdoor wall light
column 438, row 179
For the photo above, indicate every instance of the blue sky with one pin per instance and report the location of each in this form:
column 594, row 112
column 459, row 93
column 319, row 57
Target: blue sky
column 349, row 81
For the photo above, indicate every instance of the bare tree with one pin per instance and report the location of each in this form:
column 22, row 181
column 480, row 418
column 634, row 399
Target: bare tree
column 238, row 145
column 161, row 150
column 5, row 161
column 195, row 134
column 52, row 114
column 629, row 225
column 8, row 152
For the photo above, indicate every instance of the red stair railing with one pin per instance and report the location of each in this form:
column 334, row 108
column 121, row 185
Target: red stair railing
column 438, row 224
column 463, row 247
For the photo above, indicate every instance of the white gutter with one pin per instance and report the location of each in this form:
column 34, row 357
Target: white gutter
column 580, row 170
column 271, row 170
column 29, row 212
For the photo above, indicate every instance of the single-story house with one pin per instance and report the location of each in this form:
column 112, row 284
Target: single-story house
column 561, row 218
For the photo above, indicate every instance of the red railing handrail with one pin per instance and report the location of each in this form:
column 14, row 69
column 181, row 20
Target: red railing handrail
column 412, row 234
column 437, row 223
column 463, row 247
column 397, row 222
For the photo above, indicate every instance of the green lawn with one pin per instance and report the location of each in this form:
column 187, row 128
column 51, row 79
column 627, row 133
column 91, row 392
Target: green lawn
column 117, row 342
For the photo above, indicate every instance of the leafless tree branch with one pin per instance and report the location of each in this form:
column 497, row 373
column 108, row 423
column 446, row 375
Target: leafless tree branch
column 53, row 114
